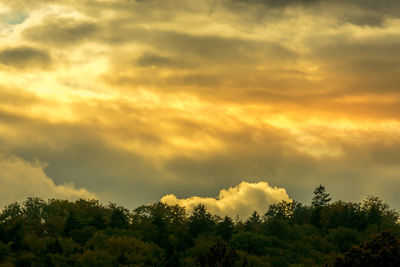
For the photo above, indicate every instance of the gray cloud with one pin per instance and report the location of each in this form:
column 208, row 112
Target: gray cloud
column 80, row 154
column 367, row 167
column 161, row 61
column 20, row 179
column 199, row 47
column 367, row 4
column 60, row 32
column 366, row 20
column 301, row 61
column 368, row 65
column 24, row 57
column 358, row 12
column 148, row 60
column 279, row 3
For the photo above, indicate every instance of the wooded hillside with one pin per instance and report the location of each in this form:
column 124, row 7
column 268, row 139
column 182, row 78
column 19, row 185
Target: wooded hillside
column 87, row 233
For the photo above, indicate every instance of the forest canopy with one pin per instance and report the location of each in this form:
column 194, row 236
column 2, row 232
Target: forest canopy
column 58, row 232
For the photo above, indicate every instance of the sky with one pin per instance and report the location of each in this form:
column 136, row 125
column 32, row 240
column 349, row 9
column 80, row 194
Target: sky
column 229, row 101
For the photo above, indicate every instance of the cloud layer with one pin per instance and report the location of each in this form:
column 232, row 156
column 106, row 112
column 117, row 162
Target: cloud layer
column 133, row 100
column 240, row 200
column 20, row 179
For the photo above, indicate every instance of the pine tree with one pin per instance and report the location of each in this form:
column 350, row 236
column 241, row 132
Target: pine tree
column 321, row 198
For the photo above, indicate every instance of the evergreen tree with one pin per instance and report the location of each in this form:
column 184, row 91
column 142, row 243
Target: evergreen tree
column 200, row 221
column 321, row 197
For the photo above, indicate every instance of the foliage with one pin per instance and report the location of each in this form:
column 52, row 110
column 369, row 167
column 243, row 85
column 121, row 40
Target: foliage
column 321, row 198
column 382, row 250
column 88, row 233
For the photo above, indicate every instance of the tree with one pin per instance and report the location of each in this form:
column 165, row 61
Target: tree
column 225, row 228
column 285, row 210
column 72, row 222
column 87, row 233
column 33, row 208
column 321, row 198
column 377, row 211
column 11, row 212
column 200, row 221
column 383, row 250
column 319, row 201
column 119, row 216
column 218, row 255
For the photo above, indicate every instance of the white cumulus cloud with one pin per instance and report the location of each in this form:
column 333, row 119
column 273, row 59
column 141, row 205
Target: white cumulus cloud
column 240, row 200
column 20, row 179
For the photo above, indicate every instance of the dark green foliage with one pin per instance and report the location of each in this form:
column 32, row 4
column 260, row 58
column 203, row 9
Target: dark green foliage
column 119, row 216
column 343, row 238
column 218, row 255
column 87, row 233
column 225, row 228
column 350, row 215
column 4, row 251
column 321, row 198
column 201, row 221
column 71, row 223
column 382, row 250
column 252, row 243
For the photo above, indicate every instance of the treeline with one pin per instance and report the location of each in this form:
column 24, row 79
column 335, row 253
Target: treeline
column 87, row 233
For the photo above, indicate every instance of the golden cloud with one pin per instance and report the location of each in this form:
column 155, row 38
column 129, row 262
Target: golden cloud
column 180, row 96
column 239, row 201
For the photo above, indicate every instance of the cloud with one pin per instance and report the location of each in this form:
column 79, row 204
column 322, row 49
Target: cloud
column 14, row 97
column 149, row 60
column 293, row 90
column 279, row 3
column 20, row 179
column 367, row 4
column 60, row 31
column 240, row 200
column 23, row 57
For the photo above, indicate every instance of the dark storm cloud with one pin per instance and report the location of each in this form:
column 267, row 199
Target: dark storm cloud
column 360, row 65
column 60, row 31
column 221, row 49
column 201, row 48
column 24, row 57
column 200, row 81
column 204, row 47
column 370, row 166
column 205, row 60
column 79, row 154
column 148, row 60
column 359, row 12
column 366, row 20
column 161, row 61
column 278, row 3
column 385, row 5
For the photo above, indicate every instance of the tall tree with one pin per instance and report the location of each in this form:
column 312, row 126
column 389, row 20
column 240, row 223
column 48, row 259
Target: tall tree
column 321, row 197
column 225, row 228
column 320, row 200
column 200, row 221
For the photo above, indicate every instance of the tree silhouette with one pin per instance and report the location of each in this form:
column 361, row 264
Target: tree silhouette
column 87, row 233
column 321, row 198
column 200, row 221
column 319, row 201
column 225, row 228
column 383, row 250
